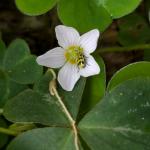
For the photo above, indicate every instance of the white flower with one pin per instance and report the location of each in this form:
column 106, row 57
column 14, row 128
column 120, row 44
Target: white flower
column 73, row 56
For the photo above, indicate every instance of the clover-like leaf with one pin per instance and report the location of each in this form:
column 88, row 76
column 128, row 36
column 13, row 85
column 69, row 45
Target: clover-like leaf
column 121, row 120
column 19, row 64
column 138, row 69
column 119, row 8
column 8, row 88
column 88, row 14
column 15, row 88
column 33, row 8
column 83, row 15
column 39, row 106
column 44, row 139
column 30, row 106
column 27, row 71
column 16, row 52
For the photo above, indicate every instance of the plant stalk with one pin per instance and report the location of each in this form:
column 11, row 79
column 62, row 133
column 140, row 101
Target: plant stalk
column 124, row 49
column 8, row 131
column 53, row 91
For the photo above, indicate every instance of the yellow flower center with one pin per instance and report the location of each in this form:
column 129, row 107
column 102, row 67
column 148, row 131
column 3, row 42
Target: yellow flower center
column 74, row 55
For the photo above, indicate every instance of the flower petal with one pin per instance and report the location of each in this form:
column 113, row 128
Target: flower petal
column 88, row 41
column 92, row 68
column 68, row 76
column 67, row 36
column 54, row 58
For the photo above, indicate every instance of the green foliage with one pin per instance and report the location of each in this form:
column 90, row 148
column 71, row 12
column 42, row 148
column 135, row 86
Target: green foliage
column 34, row 108
column 41, row 107
column 18, row 68
column 20, row 64
column 139, row 69
column 15, row 88
column 119, row 8
column 85, row 15
column 15, row 53
column 42, row 85
column 44, row 139
column 32, row 7
column 121, row 121
column 71, row 99
column 122, row 115
column 81, row 14
column 112, row 119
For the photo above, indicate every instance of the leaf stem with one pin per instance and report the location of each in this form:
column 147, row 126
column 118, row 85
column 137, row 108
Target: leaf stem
column 125, row 49
column 8, row 131
column 19, row 127
column 53, row 91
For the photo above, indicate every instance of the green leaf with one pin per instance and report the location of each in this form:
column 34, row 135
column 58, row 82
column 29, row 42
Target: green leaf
column 33, row 8
column 32, row 107
column 94, row 89
column 3, row 87
column 42, row 85
column 88, row 14
column 120, row 8
column 10, row 90
column 16, row 52
column 83, row 15
column 2, row 52
column 121, row 120
column 138, row 69
column 3, row 137
column 71, row 99
column 20, row 65
column 44, row 139
column 15, row 88
column 27, row 71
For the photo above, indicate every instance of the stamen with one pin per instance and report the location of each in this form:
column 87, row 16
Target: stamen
column 74, row 55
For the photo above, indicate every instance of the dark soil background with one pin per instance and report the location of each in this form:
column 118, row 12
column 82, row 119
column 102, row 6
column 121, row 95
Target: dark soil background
column 39, row 34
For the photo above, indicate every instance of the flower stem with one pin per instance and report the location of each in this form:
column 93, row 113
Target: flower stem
column 8, row 131
column 53, row 91
column 125, row 49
